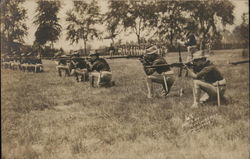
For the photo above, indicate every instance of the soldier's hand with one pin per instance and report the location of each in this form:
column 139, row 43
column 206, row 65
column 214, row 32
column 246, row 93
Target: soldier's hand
column 185, row 67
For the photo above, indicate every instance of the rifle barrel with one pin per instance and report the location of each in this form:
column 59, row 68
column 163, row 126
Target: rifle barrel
column 71, row 58
column 180, row 64
column 118, row 57
column 239, row 62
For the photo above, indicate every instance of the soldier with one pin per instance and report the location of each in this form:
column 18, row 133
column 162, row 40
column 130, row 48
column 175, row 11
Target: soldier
column 206, row 78
column 111, row 50
column 6, row 62
column 15, row 64
column 79, row 67
column 163, row 76
column 190, row 42
column 25, row 62
column 100, row 69
column 63, row 65
column 38, row 64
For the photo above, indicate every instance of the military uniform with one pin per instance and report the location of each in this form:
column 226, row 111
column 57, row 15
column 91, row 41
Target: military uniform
column 79, row 67
column 161, row 75
column 190, row 43
column 37, row 63
column 111, row 50
column 25, row 63
column 206, row 78
column 191, row 46
column 100, row 69
column 63, row 65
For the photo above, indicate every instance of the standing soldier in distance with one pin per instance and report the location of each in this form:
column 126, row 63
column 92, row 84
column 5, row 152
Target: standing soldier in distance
column 111, row 50
column 190, row 41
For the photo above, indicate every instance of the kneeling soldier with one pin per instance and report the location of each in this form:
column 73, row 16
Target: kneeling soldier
column 38, row 65
column 161, row 75
column 207, row 78
column 62, row 65
column 100, row 69
column 79, row 67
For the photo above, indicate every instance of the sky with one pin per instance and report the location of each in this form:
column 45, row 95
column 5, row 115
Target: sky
column 241, row 6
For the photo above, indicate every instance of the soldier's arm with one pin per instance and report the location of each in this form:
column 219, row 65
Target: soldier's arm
column 200, row 74
column 191, row 73
column 149, row 71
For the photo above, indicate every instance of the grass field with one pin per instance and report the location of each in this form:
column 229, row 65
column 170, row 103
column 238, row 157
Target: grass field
column 48, row 117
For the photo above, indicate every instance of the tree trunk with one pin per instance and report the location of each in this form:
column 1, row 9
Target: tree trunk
column 112, row 41
column 85, row 47
column 52, row 45
column 139, row 39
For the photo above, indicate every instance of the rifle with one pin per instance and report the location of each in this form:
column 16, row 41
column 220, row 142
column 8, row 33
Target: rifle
column 178, row 64
column 128, row 56
column 239, row 62
column 71, row 58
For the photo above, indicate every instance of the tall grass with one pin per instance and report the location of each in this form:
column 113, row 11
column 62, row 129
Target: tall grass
column 47, row 116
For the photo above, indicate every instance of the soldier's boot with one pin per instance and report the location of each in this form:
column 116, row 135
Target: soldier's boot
column 150, row 88
column 196, row 94
column 67, row 73
column 77, row 79
column 59, row 72
column 84, row 78
column 92, row 81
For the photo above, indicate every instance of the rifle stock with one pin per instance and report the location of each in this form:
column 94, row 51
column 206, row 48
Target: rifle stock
column 71, row 58
column 239, row 62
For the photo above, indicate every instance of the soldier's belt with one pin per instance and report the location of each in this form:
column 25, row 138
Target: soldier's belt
column 220, row 83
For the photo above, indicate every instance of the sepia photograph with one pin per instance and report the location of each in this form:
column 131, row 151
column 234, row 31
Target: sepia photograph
column 124, row 79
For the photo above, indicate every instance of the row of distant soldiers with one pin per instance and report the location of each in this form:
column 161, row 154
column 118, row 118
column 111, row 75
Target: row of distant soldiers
column 134, row 50
column 86, row 69
column 23, row 62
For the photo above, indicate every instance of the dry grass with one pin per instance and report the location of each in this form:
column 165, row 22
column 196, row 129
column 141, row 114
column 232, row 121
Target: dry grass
column 45, row 116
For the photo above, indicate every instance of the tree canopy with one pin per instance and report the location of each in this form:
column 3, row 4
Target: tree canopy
column 133, row 15
column 82, row 21
column 47, row 20
column 207, row 15
column 13, row 26
column 241, row 32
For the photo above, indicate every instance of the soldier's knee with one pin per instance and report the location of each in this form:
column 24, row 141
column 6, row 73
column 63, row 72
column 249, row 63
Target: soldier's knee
column 197, row 83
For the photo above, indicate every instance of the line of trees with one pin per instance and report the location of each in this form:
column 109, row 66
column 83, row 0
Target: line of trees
column 162, row 21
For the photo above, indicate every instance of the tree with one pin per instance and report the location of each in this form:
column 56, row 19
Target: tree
column 47, row 20
column 82, row 21
column 170, row 20
column 113, row 18
column 241, row 32
column 13, row 27
column 141, row 15
column 133, row 15
column 208, row 15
